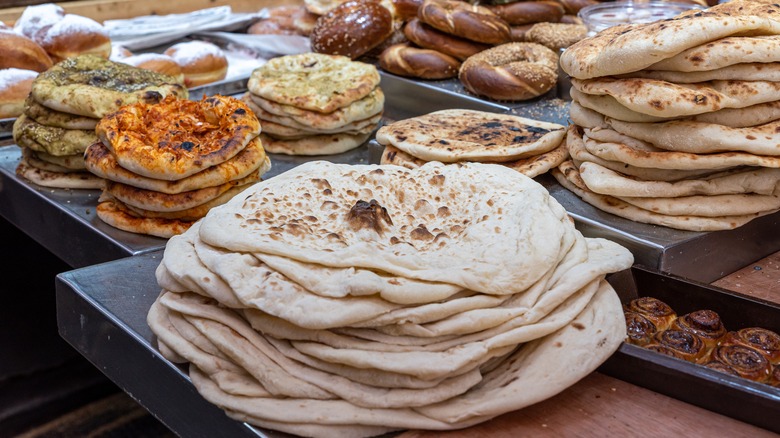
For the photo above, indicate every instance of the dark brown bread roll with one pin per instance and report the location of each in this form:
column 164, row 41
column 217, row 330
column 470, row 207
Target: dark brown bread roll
column 765, row 341
column 429, row 38
column 405, row 10
column 473, row 22
column 747, row 362
column 660, row 313
column 680, row 344
column 703, row 323
column 404, row 60
column 352, row 29
column 641, row 331
column 512, row 71
column 518, row 13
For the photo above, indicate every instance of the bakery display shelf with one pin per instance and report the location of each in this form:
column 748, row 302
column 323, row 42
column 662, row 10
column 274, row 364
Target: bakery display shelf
column 742, row 399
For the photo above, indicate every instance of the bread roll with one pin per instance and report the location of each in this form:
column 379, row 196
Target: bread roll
column 680, row 344
column 703, row 323
column 747, row 362
column 17, row 51
column 352, row 29
column 430, row 38
column 74, row 35
column 660, row 313
column 156, row 62
column 518, row 13
column 36, row 17
column 404, row 60
column 201, row 62
column 15, row 85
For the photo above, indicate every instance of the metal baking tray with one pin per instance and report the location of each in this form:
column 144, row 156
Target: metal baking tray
column 742, row 399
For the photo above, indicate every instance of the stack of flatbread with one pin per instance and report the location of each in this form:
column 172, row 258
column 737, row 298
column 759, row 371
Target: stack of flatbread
column 315, row 104
column 676, row 122
column 530, row 147
column 347, row 301
column 167, row 164
column 64, row 107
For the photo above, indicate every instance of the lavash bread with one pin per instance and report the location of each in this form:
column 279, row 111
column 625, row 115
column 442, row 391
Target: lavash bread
column 315, row 104
column 62, row 109
column 167, row 164
column 531, row 147
column 370, row 299
column 674, row 121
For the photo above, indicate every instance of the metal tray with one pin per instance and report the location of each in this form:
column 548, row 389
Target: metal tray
column 748, row 401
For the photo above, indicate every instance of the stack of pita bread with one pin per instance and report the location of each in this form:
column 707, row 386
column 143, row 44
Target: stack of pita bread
column 315, row 104
column 64, row 107
column 530, row 147
column 338, row 300
column 167, row 164
column 676, row 122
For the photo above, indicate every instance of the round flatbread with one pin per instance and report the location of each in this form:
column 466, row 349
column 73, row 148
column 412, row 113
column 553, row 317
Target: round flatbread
column 49, row 117
column 468, row 135
column 177, row 138
column 724, row 53
column 325, row 144
column 53, row 141
column 756, row 71
column 69, row 162
column 91, row 86
column 314, row 81
column 110, row 213
column 46, row 178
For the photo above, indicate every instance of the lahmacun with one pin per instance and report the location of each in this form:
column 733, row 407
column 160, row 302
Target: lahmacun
column 177, row 138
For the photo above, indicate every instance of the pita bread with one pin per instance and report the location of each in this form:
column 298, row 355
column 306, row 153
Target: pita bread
column 177, row 138
column 749, row 180
column 468, row 135
column 99, row 160
column 72, row 162
column 57, row 119
column 755, row 71
column 109, row 212
column 54, row 141
column 367, row 107
column 188, row 214
column 92, row 86
column 46, row 178
column 716, row 206
column 283, row 132
column 629, row 48
column 314, row 81
column 325, row 144
column 395, row 156
column 666, row 99
column 724, row 53
column 568, row 176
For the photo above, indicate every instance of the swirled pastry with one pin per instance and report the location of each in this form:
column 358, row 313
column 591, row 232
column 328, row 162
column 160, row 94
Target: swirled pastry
column 765, row 341
column 703, row 323
column 654, row 310
column 681, row 344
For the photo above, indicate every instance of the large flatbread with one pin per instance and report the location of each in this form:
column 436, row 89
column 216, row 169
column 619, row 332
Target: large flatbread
column 314, row 81
column 100, row 161
column 468, row 135
column 666, row 99
column 271, row 121
column 177, row 138
column 91, row 86
column 47, row 178
column 724, row 53
column 369, row 210
column 322, row 144
column 109, row 212
column 69, row 162
column 628, row 48
column 49, row 117
column 53, row 141
column 754, row 71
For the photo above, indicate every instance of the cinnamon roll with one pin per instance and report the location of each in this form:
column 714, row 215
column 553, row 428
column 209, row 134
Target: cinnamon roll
column 653, row 309
column 640, row 329
column 722, row 367
column 747, row 362
column 680, row 344
column 704, row 323
column 774, row 377
column 765, row 341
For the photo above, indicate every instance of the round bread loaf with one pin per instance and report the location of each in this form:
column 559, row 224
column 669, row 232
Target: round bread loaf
column 512, row 71
column 430, row 38
column 352, row 29
column 156, row 62
column 404, row 60
column 74, row 35
column 473, row 22
column 529, row 12
column 200, row 61
column 15, row 85
column 36, row 17
column 556, row 36
column 17, row 51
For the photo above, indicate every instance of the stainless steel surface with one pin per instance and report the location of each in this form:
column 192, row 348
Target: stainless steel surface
column 6, row 128
column 101, row 312
column 64, row 221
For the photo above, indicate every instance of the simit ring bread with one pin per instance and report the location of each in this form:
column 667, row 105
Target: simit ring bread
column 512, row 71
column 476, row 23
column 518, row 13
column 430, row 38
column 404, row 60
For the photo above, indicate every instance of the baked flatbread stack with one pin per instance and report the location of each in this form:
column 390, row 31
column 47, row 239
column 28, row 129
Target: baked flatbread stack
column 338, row 300
column 166, row 164
column 530, row 147
column 64, row 107
column 315, row 104
column 676, row 122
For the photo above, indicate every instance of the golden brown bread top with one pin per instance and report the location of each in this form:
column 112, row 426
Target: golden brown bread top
column 17, row 51
column 352, row 29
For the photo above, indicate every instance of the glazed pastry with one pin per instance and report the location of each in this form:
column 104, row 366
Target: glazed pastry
column 681, row 344
column 774, row 377
column 746, row 361
column 722, row 367
column 765, row 341
column 653, row 309
column 640, row 329
column 704, row 323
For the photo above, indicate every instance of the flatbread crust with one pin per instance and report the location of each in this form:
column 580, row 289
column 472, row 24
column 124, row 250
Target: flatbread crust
column 325, row 144
column 54, row 141
column 468, row 135
column 754, row 71
column 68, row 162
column 91, row 86
column 110, row 213
column 724, row 53
column 46, row 178
column 49, row 117
column 177, row 138
column 628, row 48
column 100, row 161
column 314, row 81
